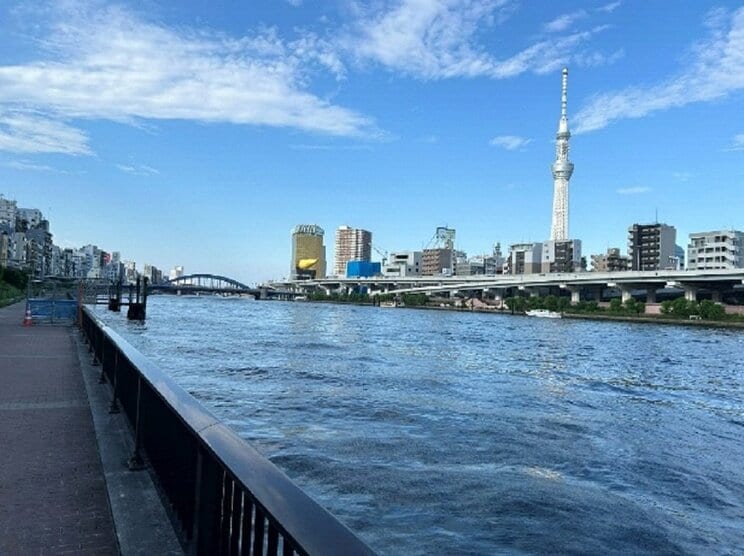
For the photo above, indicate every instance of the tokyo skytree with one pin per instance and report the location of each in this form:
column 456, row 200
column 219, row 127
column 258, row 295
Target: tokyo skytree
column 562, row 170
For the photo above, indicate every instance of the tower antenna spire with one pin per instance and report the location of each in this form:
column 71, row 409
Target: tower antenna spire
column 564, row 94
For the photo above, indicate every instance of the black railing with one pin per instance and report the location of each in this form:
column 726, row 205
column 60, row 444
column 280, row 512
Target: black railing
column 225, row 497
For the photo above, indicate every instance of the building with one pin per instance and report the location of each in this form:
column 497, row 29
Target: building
column 308, row 252
column 27, row 218
column 562, row 170
column 438, row 261
column 176, row 272
column 651, row 246
column 362, row 269
column 8, row 210
column 612, row 261
column 561, row 256
column 352, row 244
column 403, row 263
column 525, row 258
column 720, row 249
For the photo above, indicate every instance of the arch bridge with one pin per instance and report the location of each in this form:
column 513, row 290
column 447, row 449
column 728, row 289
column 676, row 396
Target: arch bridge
column 204, row 283
column 214, row 283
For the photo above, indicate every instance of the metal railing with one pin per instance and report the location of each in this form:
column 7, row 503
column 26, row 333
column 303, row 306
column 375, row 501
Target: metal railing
column 225, row 496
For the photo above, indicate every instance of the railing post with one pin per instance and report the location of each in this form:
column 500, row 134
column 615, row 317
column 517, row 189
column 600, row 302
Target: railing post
column 207, row 507
column 114, row 406
column 96, row 345
column 136, row 462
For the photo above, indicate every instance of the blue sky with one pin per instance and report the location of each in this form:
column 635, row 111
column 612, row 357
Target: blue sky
column 199, row 133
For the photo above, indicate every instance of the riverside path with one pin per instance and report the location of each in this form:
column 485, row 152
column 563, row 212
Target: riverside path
column 52, row 490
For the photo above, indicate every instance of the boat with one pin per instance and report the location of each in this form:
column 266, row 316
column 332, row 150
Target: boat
column 394, row 303
column 544, row 313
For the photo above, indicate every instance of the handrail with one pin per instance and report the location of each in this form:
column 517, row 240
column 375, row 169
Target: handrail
column 226, row 496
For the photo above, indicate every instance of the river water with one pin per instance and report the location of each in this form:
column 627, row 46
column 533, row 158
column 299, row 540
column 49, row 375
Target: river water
column 433, row 432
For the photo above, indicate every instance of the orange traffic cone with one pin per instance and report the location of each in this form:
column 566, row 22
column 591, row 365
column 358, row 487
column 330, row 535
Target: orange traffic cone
column 27, row 321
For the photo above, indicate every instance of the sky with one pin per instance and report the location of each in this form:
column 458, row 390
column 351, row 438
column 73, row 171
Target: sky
column 200, row 133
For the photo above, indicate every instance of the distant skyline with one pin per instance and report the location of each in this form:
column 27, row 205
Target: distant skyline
column 198, row 134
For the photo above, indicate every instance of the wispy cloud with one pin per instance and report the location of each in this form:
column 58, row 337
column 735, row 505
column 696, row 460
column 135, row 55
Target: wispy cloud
column 682, row 176
column 563, row 22
column 635, row 190
column 138, row 170
column 609, row 8
column 24, row 131
column 510, row 142
column 25, row 165
column 107, row 63
column 714, row 70
column 326, row 147
column 434, row 39
column 737, row 143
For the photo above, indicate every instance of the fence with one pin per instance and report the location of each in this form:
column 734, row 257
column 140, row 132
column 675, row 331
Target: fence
column 225, row 496
column 52, row 301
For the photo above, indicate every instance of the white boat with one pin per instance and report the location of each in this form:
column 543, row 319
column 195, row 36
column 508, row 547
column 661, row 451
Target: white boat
column 544, row 313
column 391, row 304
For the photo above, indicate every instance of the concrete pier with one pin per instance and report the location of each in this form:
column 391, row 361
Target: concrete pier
column 53, row 496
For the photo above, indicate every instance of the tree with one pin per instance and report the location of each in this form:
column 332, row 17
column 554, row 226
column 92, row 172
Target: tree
column 616, row 305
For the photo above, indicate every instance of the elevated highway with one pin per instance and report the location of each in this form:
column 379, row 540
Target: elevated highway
column 579, row 285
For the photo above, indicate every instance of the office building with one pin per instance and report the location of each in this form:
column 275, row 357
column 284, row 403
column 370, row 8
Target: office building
column 351, row 244
column 437, row 262
column 308, row 252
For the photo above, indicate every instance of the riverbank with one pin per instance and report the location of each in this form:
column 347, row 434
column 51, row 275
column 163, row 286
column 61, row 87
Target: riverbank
column 649, row 319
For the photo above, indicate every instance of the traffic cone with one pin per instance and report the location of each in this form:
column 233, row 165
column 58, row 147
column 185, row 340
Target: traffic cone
column 27, row 321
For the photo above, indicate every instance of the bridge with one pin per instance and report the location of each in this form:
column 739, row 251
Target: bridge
column 580, row 285
column 216, row 284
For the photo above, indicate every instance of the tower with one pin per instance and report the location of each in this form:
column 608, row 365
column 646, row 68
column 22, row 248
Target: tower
column 562, row 170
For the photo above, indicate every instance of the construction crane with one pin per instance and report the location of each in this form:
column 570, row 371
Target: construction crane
column 383, row 253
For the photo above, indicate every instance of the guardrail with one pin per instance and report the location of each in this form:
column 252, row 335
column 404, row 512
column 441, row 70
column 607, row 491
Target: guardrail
column 226, row 497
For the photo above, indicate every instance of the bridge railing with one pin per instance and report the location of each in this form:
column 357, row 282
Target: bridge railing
column 225, row 496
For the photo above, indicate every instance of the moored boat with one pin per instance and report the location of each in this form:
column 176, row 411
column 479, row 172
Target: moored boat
column 543, row 313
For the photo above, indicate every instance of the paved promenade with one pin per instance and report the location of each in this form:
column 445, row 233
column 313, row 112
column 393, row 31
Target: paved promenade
column 52, row 491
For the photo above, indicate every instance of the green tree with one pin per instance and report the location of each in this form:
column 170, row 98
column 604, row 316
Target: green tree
column 616, row 305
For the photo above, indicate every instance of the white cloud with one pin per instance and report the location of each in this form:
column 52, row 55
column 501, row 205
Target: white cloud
column 737, row 144
column 635, row 190
column 24, row 131
column 715, row 69
column 609, row 8
column 510, row 142
column 437, row 39
column 105, row 63
column 138, row 170
column 563, row 22
column 25, row 165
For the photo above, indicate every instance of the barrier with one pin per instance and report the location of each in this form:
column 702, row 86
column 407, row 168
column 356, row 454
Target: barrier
column 225, row 496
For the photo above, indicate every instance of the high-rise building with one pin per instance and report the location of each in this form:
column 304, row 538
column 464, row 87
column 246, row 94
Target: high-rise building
column 352, row 244
column 721, row 249
column 562, row 170
column 651, row 246
column 308, row 252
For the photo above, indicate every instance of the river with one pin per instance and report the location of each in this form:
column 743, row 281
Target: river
column 435, row 432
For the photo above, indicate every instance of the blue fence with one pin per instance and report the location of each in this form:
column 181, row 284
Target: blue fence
column 52, row 310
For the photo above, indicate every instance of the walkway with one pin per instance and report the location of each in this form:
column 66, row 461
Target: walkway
column 52, row 492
